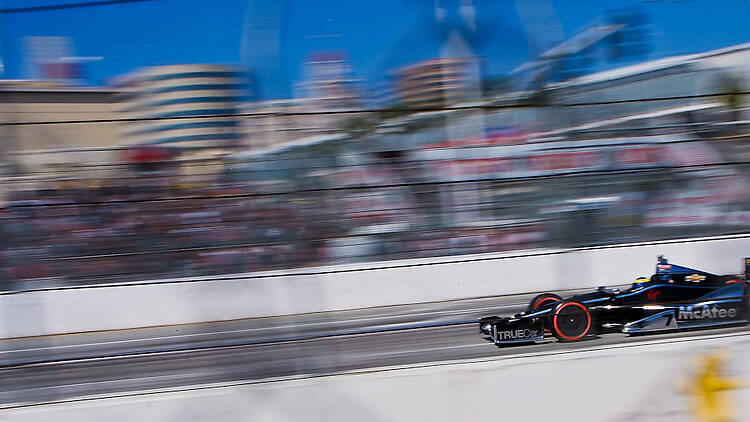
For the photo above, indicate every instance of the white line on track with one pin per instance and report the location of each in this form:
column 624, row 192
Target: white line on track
column 540, row 355
column 431, row 349
column 268, row 328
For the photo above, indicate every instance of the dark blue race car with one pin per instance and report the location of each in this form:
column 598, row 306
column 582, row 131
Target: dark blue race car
column 674, row 298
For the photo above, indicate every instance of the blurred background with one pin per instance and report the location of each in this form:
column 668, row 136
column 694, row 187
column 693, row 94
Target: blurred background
column 147, row 139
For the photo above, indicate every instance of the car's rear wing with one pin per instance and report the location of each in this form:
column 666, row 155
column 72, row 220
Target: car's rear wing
column 666, row 272
column 677, row 273
column 664, row 267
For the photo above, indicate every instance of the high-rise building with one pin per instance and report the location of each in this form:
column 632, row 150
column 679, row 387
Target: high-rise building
column 328, row 86
column 274, row 122
column 435, row 82
column 53, row 59
column 263, row 47
column 328, row 79
column 187, row 106
column 39, row 148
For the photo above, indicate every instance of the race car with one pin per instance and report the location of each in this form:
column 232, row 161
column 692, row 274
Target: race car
column 674, row 298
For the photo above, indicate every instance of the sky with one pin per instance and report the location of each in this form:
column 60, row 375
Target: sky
column 273, row 37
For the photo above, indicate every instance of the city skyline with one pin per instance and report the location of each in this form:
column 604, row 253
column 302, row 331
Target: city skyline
column 274, row 38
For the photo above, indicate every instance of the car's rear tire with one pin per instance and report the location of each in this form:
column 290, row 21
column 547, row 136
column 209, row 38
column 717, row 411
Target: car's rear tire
column 571, row 321
column 542, row 299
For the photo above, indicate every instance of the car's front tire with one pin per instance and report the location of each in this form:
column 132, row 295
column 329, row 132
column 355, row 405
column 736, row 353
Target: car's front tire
column 571, row 321
column 542, row 299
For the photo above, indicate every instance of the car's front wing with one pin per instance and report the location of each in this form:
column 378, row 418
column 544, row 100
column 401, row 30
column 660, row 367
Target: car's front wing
column 514, row 330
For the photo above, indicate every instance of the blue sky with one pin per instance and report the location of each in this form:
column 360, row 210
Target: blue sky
column 376, row 35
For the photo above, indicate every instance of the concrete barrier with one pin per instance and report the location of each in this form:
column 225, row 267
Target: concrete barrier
column 186, row 301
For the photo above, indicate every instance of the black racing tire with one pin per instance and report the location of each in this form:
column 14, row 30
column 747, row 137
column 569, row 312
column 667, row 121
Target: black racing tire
column 542, row 299
column 730, row 279
column 571, row 321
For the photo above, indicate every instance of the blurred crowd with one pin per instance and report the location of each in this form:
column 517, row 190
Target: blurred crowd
column 141, row 230
column 141, row 225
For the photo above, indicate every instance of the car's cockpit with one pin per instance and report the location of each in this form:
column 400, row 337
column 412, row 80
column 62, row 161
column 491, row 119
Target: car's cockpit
column 672, row 281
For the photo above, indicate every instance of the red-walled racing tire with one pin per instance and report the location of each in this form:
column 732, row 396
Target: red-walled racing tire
column 571, row 321
column 543, row 299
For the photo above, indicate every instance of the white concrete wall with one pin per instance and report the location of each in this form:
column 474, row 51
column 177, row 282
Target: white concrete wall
column 635, row 383
column 349, row 287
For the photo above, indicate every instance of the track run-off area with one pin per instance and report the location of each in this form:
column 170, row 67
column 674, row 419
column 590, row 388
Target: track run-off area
column 71, row 370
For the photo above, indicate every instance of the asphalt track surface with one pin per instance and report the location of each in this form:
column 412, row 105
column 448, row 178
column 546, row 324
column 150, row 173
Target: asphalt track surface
column 59, row 368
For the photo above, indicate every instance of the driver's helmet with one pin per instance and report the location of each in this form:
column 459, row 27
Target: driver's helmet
column 641, row 281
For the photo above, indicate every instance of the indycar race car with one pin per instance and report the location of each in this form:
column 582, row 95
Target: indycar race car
column 674, row 298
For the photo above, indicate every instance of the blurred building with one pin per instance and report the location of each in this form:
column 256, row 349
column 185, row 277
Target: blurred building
column 36, row 144
column 167, row 98
column 700, row 76
column 328, row 86
column 450, row 34
column 328, row 79
column 435, row 82
column 54, row 59
column 263, row 48
column 276, row 122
